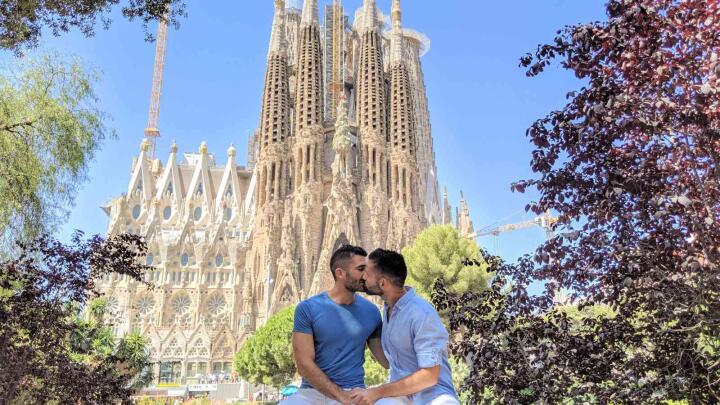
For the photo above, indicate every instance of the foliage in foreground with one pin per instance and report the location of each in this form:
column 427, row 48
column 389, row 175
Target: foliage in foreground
column 48, row 352
column 22, row 22
column 630, row 164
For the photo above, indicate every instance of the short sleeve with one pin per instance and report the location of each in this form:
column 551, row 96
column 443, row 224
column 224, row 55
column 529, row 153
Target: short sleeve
column 377, row 332
column 430, row 342
column 303, row 319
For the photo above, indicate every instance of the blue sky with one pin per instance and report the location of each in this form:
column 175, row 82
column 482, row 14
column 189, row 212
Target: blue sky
column 480, row 100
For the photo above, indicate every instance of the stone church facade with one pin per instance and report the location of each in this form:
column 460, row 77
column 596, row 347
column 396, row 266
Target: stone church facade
column 230, row 245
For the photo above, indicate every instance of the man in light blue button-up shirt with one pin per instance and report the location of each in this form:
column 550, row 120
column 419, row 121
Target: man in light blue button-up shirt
column 414, row 338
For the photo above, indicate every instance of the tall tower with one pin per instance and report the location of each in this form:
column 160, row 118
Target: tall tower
column 308, row 145
column 403, row 188
column 372, row 127
column 273, row 167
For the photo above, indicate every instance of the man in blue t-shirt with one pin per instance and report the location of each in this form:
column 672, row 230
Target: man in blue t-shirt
column 330, row 333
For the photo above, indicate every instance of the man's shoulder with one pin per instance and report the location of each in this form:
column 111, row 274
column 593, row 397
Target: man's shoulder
column 312, row 302
column 421, row 308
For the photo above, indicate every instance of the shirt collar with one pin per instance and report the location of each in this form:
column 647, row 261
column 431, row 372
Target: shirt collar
column 405, row 299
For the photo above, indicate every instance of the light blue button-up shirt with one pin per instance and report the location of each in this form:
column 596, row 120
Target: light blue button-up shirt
column 416, row 338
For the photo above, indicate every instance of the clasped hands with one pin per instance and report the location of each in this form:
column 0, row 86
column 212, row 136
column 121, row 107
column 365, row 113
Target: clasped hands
column 360, row 396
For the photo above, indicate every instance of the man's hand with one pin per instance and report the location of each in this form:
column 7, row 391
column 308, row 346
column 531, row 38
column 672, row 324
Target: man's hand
column 345, row 398
column 364, row 397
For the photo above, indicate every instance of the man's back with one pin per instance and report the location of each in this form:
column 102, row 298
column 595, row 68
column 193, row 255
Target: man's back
column 414, row 337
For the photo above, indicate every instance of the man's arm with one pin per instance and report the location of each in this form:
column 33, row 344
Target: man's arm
column 414, row 383
column 429, row 343
column 304, row 350
column 375, row 346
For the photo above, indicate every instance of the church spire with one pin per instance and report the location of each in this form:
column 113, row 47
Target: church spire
column 277, row 37
column 396, row 44
column 464, row 223
column 396, row 14
column 308, row 100
column 310, row 13
column 275, row 118
column 370, row 20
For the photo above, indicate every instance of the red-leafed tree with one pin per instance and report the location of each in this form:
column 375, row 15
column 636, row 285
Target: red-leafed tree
column 631, row 166
column 48, row 352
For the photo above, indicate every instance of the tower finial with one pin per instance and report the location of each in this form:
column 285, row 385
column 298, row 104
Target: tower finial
column 370, row 21
column 396, row 14
column 396, row 44
column 277, row 38
column 310, row 13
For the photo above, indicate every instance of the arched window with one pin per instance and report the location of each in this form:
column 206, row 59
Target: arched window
column 136, row 212
column 167, row 212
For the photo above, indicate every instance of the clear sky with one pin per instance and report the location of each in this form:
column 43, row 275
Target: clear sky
column 480, row 100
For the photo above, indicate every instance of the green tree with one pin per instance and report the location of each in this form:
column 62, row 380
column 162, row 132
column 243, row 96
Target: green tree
column 440, row 253
column 375, row 374
column 21, row 22
column 50, row 128
column 267, row 356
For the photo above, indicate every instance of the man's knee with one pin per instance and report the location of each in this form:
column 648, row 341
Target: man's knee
column 445, row 400
column 394, row 401
column 305, row 396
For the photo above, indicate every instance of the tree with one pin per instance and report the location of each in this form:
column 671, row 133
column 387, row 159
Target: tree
column 375, row 374
column 48, row 352
column 267, row 356
column 21, row 22
column 50, row 128
column 630, row 164
column 439, row 252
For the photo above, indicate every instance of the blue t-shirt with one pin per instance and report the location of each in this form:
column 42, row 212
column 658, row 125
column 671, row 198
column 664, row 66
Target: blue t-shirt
column 340, row 333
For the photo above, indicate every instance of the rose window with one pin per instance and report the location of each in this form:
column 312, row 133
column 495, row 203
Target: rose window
column 145, row 305
column 181, row 305
column 216, row 305
column 112, row 306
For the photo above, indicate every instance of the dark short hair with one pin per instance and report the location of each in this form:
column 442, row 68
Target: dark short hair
column 342, row 254
column 391, row 265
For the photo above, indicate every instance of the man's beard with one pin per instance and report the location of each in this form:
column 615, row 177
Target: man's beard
column 371, row 290
column 355, row 286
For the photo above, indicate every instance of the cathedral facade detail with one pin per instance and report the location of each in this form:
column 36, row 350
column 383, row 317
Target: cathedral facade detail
column 230, row 245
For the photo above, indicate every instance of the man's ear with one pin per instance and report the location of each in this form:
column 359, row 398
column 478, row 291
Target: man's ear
column 339, row 271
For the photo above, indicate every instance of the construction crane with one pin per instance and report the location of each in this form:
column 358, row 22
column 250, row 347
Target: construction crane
column 337, row 80
column 544, row 221
column 152, row 133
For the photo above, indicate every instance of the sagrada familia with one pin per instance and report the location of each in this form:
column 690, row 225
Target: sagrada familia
column 343, row 154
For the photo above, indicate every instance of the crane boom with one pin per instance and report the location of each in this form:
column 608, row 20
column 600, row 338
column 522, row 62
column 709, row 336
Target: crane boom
column 152, row 132
column 545, row 221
